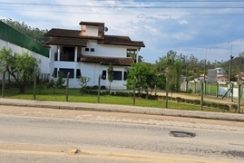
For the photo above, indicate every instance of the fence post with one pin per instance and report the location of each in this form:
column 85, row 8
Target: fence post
column 134, row 91
column 167, row 93
column 3, row 83
column 217, row 91
column 187, row 84
column 34, row 86
column 195, row 87
column 239, row 98
column 99, row 88
column 232, row 91
column 67, row 87
column 205, row 88
column 202, row 92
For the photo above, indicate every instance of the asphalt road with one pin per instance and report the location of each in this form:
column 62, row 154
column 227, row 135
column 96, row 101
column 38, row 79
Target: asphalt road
column 115, row 131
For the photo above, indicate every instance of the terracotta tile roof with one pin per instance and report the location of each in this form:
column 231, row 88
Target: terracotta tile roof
column 106, row 39
column 68, row 33
column 66, row 41
column 107, row 60
column 120, row 40
column 63, row 33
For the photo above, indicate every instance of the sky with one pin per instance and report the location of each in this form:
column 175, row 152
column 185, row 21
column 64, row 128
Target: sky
column 208, row 29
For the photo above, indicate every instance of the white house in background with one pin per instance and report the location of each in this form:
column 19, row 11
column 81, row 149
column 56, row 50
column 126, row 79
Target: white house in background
column 217, row 75
column 20, row 43
column 89, row 52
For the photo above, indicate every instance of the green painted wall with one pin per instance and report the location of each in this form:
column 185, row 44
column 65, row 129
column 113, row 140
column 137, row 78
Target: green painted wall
column 9, row 34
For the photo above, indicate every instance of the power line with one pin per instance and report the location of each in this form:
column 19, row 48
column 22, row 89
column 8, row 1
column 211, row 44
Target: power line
column 123, row 6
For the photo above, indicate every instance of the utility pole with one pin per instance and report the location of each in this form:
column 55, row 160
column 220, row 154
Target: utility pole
column 230, row 72
column 230, row 67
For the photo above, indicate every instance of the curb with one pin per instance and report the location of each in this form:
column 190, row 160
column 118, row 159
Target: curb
column 123, row 109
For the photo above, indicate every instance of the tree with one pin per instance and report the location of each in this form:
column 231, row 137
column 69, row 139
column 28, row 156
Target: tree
column 142, row 76
column 83, row 82
column 110, row 76
column 20, row 66
column 171, row 66
column 5, row 56
column 59, row 83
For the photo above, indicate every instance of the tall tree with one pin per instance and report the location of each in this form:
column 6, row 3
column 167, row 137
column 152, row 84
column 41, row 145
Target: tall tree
column 142, row 76
column 171, row 66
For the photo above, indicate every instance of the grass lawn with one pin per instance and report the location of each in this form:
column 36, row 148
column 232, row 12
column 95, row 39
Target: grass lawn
column 45, row 94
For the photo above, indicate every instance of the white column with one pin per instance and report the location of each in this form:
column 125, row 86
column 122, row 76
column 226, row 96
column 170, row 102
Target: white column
column 76, row 54
column 136, row 56
column 58, row 53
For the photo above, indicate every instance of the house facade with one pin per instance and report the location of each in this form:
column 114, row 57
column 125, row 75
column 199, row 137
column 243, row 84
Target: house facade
column 88, row 52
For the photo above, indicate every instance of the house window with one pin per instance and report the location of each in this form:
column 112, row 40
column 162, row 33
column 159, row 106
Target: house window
column 55, row 72
column 92, row 50
column 65, row 72
column 67, row 54
column 87, row 49
column 78, row 74
column 125, row 75
column 117, row 75
column 104, row 75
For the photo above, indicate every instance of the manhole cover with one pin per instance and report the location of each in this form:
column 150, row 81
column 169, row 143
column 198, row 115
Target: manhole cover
column 182, row 134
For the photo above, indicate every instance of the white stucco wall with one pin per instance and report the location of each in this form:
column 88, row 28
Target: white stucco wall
column 90, row 30
column 43, row 62
column 92, row 70
column 102, row 50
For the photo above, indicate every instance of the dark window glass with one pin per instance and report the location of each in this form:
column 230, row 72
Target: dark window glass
column 92, row 50
column 78, row 58
column 125, row 75
column 67, row 54
column 56, row 56
column 117, row 75
column 55, row 72
column 104, row 73
column 78, row 74
column 65, row 71
column 87, row 49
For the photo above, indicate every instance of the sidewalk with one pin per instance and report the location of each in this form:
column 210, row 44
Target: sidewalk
column 122, row 108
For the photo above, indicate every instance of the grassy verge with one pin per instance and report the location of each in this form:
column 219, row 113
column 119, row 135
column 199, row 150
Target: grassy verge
column 44, row 94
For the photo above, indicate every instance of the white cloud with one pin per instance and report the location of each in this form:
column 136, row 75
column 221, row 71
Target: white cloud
column 183, row 22
column 158, row 28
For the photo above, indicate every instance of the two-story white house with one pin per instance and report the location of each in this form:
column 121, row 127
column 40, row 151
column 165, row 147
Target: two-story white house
column 89, row 52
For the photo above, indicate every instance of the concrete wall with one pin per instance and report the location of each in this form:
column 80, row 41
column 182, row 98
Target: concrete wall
column 43, row 62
